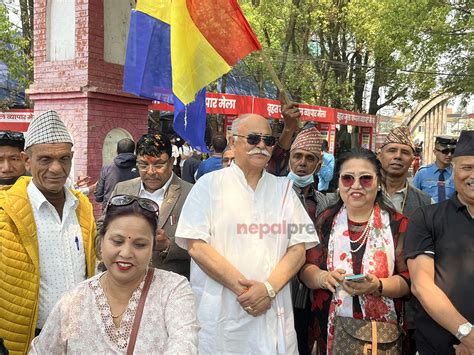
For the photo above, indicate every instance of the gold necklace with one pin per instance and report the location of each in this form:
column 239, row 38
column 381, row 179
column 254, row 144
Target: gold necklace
column 108, row 299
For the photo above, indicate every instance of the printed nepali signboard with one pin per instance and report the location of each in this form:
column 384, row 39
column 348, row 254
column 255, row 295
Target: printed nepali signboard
column 355, row 119
column 272, row 109
column 16, row 120
column 230, row 104
column 225, row 104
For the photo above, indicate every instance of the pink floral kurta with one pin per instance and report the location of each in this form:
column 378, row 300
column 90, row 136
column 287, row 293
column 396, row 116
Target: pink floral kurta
column 81, row 322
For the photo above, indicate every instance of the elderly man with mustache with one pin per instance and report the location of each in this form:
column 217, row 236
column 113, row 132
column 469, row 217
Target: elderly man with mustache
column 247, row 233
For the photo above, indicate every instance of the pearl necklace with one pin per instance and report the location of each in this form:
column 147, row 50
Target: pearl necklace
column 363, row 237
column 364, row 234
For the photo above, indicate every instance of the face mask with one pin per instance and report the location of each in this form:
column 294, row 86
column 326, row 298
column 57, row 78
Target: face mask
column 301, row 181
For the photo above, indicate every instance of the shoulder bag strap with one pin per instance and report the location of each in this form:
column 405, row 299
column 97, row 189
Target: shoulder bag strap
column 139, row 312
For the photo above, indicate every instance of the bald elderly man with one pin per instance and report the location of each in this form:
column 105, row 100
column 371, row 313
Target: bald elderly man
column 247, row 233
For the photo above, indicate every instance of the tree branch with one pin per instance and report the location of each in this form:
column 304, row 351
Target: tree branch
column 393, row 98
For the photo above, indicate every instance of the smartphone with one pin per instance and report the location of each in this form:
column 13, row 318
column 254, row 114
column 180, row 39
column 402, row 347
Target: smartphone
column 355, row 278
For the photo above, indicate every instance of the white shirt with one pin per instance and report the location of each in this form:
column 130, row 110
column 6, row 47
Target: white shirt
column 61, row 249
column 185, row 150
column 220, row 206
column 174, row 153
column 159, row 195
column 398, row 199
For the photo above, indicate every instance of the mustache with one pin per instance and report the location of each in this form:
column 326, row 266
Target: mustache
column 259, row 151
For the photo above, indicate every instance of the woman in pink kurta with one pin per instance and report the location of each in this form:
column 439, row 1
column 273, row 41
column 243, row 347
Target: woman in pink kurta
column 97, row 316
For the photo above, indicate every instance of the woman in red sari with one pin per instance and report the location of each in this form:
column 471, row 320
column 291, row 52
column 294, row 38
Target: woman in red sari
column 360, row 234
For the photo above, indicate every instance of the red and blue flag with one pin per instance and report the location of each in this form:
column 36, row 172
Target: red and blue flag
column 177, row 47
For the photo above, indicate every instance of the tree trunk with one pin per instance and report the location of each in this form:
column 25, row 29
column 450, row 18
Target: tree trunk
column 374, row 94
column 359, row 81
column 224, row 83
column 27, row 20
column 289, row 37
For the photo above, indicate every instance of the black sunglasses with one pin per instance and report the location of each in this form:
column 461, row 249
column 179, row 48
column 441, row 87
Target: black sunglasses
column 254, row 139
column 12, row 136
column 125, row 200
column 446, row 151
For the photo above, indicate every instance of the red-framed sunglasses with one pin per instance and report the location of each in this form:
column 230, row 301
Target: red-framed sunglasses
column 365, row 181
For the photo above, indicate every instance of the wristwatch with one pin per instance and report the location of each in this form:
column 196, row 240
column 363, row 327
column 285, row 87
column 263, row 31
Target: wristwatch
column 464, row 330
column 271, row 292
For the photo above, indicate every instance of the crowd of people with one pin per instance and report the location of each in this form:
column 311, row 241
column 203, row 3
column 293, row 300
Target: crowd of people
column 251, row 251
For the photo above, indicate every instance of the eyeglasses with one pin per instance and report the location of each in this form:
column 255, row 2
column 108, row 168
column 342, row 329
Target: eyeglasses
column 157, row 166
column 12, row 136
column 254, row 139
column 446, row 151
column 365, row 181
column 125, row 200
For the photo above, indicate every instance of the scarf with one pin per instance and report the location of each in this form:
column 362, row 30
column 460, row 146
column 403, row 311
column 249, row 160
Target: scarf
column 378, row 260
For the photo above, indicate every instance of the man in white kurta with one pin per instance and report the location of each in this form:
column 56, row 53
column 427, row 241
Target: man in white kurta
column 236, row 225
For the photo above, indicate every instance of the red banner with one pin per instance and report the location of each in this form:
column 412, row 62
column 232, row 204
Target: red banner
column 229, row 104
column 224, row 104
column 267, row 108
column 355, row 118
column 16, row 119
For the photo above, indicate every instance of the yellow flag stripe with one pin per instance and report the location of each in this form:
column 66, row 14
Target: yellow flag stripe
column 194, row 62
column 159, row 9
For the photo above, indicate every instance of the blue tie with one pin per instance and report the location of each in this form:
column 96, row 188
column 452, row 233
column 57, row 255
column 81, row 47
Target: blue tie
column 441, row 187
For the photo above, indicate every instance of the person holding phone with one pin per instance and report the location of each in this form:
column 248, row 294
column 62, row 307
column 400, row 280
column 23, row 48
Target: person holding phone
column 361, row 236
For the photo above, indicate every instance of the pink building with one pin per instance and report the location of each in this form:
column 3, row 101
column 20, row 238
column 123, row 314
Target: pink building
column 79, row 55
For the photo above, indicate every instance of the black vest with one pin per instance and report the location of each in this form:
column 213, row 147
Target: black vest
column 415, row 198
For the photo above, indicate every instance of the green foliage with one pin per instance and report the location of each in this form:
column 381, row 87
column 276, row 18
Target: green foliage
column 12, row 51
column 346, row 53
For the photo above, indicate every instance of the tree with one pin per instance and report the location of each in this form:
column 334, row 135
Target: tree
column 16, row 45
column 364, row 55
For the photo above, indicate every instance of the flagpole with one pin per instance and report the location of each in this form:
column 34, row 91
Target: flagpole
column 275, row 78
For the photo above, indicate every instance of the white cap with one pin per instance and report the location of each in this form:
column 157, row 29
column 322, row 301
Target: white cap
column 47, row 128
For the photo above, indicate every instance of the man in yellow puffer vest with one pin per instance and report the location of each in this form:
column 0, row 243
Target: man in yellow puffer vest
column 47, row 235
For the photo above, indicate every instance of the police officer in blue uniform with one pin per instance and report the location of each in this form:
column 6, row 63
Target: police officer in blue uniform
column 437, row 179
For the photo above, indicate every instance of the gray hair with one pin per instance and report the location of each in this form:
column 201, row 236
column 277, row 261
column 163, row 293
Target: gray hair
column 235, row 126
column 237, row 122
